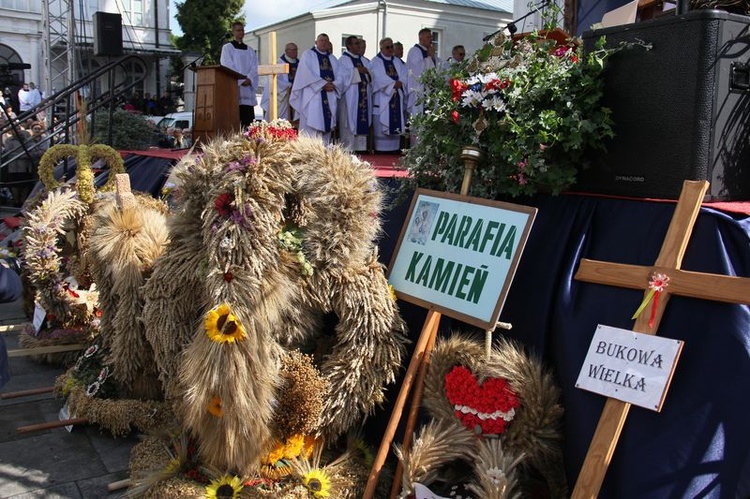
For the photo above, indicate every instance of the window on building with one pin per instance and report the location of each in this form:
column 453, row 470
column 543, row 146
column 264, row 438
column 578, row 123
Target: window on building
column 133, row 71
column 436, row 35
column 132, row 12
column 34, row 6
column 90, row 65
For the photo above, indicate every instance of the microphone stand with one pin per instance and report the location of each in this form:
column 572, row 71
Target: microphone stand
column 192, row 64
column 511, row 26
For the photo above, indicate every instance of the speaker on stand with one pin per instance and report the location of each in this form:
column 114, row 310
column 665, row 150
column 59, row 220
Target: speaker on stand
column 107, row 34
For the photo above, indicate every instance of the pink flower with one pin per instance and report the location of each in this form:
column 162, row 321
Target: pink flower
column 456, row 117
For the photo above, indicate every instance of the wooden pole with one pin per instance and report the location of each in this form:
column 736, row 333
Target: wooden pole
column 416, row 401
column 27, row 393
column 22, row 352
column 274, row 104
column 422, row 353
column 51, row 425
column 429, row 329
column 120, row 484
column 13, row 328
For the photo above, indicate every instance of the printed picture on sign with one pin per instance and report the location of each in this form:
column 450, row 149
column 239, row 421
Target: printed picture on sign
column 420, row 229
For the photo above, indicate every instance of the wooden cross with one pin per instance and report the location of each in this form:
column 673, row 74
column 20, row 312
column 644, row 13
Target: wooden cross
column 682, row 283
column 274, row 70
column 124, row 196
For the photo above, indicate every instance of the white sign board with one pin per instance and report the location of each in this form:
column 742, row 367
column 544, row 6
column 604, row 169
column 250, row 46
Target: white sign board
column 628, row 366
column 39, row 315
column 64, row 414
column 458, row 254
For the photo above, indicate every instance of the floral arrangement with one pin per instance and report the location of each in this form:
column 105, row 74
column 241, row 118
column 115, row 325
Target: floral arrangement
column 53, row 221
column 531, row 105
column 291, row 239
column 492, row 424
column 485, row 408
column 91, row 372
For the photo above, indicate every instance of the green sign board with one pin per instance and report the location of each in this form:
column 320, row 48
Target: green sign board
column 458, row 254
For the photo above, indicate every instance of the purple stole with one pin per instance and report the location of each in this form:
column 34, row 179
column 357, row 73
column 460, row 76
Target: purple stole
column 292, row 68
column 326, row 72
column 394, row 105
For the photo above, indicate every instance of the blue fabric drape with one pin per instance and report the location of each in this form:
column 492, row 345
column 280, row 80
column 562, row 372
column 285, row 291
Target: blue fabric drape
column 699, row 445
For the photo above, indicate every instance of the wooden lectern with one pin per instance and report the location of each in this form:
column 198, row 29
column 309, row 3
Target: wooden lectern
column 217, row 103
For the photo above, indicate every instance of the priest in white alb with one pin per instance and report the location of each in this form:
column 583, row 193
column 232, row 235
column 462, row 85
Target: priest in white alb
column 316, row 90
column 355, row 108
column 389, row 96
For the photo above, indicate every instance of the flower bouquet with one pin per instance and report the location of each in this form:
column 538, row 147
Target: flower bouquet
column 532, row 105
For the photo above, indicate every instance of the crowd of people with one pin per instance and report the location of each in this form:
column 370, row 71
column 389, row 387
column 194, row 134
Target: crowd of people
column 24, row 143
column 363, row 104
column 149, row 105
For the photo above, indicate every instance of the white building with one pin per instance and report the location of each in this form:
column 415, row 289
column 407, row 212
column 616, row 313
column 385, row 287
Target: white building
column 26, row 24
column 453, row 22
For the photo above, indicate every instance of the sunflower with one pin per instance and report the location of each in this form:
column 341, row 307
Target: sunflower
column 318, row 482
column 294, row 446
column 222, row 326
column 214, row 407
column 226, row 487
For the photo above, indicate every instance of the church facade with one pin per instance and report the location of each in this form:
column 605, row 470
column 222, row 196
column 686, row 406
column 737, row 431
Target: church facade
column 452, row 22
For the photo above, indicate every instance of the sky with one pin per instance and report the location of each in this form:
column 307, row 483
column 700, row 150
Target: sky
column 258, row 13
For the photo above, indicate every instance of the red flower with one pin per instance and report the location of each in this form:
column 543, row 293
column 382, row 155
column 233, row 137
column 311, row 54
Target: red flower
column 566, row 51
column 456, row 117
column 457, row 88
column 489, row 406
column 223, row 204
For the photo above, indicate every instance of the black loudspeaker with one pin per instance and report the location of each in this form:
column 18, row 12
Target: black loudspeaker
column 681, row 109
column 107, row 34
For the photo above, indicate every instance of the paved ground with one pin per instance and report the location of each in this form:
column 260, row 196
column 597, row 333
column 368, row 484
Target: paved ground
column 55, row 463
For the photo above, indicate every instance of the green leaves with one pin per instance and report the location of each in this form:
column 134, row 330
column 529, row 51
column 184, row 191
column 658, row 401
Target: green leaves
column 533, row 106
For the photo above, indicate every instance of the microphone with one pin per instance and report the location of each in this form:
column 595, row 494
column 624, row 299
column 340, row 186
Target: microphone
column 194, row 63
column 511, row 26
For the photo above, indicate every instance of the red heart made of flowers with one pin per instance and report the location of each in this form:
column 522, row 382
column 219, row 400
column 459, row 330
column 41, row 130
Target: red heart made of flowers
column 489, row 406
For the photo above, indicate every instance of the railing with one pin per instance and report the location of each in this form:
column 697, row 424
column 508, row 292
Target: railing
column 64, row 112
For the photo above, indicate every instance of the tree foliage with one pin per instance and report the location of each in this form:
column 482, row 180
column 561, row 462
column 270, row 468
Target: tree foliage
column 204, row 23
column 130, row 131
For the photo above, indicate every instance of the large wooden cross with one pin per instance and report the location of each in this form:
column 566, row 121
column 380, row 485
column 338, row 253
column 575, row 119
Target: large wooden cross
column 274, row 70
column 683, row 283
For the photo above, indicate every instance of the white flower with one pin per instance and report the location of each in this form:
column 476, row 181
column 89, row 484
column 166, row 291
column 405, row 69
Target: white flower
column 496, row 103
column 495, row 474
